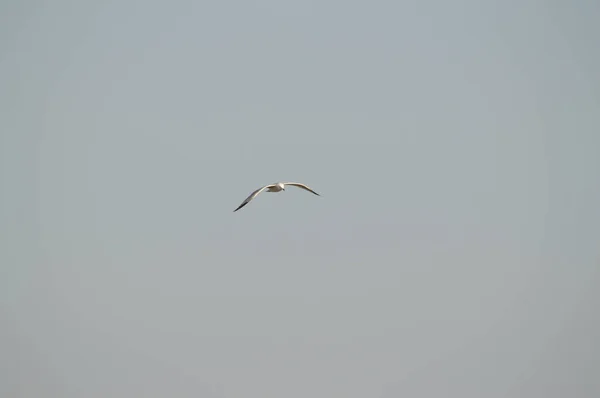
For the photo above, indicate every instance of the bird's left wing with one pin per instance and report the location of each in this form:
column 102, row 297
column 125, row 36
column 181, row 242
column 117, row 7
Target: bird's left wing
column 252, row 196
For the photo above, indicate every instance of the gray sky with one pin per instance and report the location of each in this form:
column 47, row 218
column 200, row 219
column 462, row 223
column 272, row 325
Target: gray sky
column 466, row 266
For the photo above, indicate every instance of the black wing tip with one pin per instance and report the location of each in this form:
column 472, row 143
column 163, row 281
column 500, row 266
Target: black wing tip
column 242, row 205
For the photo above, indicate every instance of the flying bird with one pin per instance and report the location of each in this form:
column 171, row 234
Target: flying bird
column 277, row 187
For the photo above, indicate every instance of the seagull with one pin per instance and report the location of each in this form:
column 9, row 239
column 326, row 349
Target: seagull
column 277, row 187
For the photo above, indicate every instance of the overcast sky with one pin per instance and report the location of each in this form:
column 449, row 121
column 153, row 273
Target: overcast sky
column 454, row 252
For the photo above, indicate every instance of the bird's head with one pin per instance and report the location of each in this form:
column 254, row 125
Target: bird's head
column 281, row 186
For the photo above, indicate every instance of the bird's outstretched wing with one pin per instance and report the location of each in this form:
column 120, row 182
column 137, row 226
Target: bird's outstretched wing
column 305, row 187
column 252, row 196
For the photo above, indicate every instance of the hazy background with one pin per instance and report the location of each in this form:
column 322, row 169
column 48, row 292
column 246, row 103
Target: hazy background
column 454, row 251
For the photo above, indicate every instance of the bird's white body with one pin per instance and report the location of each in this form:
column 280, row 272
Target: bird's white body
column 277, row 187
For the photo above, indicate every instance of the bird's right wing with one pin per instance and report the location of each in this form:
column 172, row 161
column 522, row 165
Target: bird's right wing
column 252, row 196
column 303, row 186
